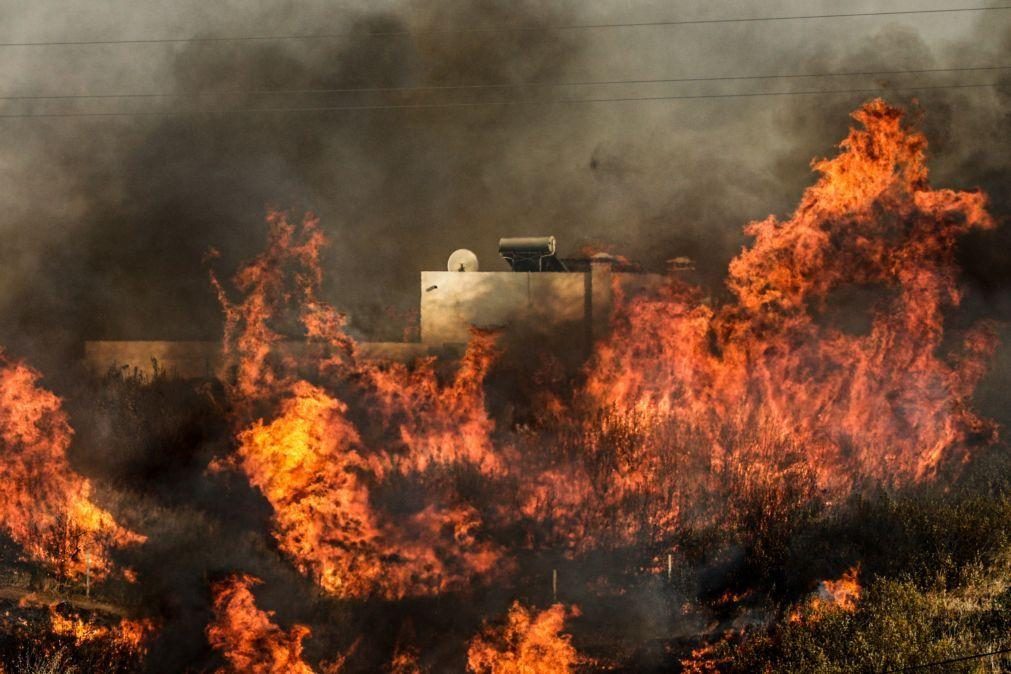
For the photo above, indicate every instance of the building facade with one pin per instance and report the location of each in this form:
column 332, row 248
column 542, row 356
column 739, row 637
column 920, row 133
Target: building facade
column 568, row 307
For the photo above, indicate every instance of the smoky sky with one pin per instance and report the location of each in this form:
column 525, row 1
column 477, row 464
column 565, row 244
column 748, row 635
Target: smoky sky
column 106, row 221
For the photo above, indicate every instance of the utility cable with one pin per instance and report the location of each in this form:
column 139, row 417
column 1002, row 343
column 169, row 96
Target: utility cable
column 480, row 104
column 503, row 85
column 500, row 28
column 964, row 658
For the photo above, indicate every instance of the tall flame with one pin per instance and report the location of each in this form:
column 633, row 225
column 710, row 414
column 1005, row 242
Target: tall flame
column 688, row 409
column 247, row 637
column 771, row 377
column 320, row 463
column 46, row 507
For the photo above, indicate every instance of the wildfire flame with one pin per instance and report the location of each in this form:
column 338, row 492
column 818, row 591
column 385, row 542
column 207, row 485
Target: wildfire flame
column 842, row 594
column 770, row 382
column 128, row 633
column 405, row 661
column 319, row 463
column 530, row 642
column 688, row 408
column 704, row 660
column 248, row 638
column 46, row 507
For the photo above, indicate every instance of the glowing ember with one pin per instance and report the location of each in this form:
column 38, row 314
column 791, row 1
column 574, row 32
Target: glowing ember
column 405, row 661
column 530, row 642
column 46, row 506
column 704, row 660
column 246, row 636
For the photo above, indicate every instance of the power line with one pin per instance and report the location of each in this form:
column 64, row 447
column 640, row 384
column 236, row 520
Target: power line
column 479, row 104
column 502, row 85
column 501, row 28
column 964, row 658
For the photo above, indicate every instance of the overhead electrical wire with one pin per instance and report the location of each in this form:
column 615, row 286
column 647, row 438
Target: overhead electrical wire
column 479, row 104
column 492, row 86
column 499, row 86
column 950, row 661
column 500, row 28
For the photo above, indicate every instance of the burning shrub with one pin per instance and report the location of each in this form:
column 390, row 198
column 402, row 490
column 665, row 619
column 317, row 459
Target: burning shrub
column 894, row 626
column 246, row 636
column 752, row 413
column 320, row 461
column 60, row 640
column 762, row 373
column 935, row 587
column 764, row 441
column 47, row 507
column 126, row 636
column 530, row 642
column 832, row 595
column 752, row 419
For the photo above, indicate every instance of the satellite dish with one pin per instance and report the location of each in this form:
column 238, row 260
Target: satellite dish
column 462, row 260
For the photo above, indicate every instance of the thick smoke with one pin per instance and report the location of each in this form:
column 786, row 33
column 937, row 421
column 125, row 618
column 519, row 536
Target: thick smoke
column 107, row 221
column 148, row 198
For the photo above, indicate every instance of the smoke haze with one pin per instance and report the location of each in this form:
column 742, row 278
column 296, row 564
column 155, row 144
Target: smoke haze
column 107, row 220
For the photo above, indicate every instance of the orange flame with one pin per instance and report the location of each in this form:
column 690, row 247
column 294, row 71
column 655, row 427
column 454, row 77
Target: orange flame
column 770, row 397
column 46, row 507
column 832, row 595
column 129, row 634
column 706, row 659
column 319, row 469
column 530, row 642
column 771, row 381
column 247, row 637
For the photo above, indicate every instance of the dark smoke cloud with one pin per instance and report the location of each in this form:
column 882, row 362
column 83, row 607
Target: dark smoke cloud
column 394, row 188
column 107, row 221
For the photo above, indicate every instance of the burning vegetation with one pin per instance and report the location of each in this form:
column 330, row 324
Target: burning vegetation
column 713, row 461
column 769, row 375
column 530, row 641
column 47, row 507
column 318, row 462
column 246, row 636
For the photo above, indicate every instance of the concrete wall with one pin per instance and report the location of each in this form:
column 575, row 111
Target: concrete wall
column 576, row 306
column 188, row 360
column 452, row 302
column 202, row 360
column 561, row 312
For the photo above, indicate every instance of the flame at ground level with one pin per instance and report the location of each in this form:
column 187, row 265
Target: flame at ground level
column 690, row 410
column 530, row 642
column 841, row 594
column 861, row 393
column 44, row 505
column 131, row 634
column 685, row 404
column 247, row 637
